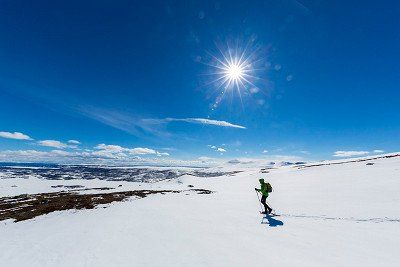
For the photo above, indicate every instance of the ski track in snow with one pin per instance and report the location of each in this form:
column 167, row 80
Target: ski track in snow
column 351, row 219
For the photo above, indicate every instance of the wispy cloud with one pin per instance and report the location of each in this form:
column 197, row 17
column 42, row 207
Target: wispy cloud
column 110, row 117
column 195, row 120
column 123, row 121
column 74, row 142
column 52, row 143
column 378, row 151
column 220, row 149
column 145, row 128
column 15, row 135
column 346, row 154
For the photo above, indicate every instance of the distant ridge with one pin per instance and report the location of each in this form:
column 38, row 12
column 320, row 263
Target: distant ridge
column 352, row 160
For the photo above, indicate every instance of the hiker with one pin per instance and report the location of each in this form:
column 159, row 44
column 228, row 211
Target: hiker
column 266, row 188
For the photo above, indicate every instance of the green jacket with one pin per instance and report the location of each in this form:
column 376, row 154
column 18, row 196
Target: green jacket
column 264, row 190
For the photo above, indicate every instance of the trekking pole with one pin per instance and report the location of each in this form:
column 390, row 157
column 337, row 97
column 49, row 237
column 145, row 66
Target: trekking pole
column 259, row 201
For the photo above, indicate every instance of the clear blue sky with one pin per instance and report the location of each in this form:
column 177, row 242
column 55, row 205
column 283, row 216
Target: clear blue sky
column 136, row 75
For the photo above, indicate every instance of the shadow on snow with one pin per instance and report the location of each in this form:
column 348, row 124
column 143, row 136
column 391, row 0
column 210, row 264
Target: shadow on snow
column 272, row 222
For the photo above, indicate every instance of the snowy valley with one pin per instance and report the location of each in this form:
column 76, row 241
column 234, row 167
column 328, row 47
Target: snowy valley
column 332, row 213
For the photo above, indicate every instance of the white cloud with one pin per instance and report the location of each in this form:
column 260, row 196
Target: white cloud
column 62, row 153
column 204, row 158
column 160, row 154
column 106, row 154
column 52, row 143
column 74, row 142
column 278, row 160
column 114, row 156
column 115, row 151
column 290, row 158
column 218, row 149
column 23, row 153
column 15, row 135
column 265, row 151
column 142, row 151
column 345, row 154
column 35, row 155
column 112, row 148
column 195, row 120
column 103, row 152
column 110, row 151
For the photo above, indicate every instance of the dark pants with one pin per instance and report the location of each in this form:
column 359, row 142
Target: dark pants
column 266, row 207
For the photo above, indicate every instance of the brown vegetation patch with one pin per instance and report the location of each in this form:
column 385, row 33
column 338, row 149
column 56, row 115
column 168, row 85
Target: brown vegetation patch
column 201, row 191
column 24, row 207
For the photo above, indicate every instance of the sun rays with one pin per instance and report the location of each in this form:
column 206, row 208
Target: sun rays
column 233, row 70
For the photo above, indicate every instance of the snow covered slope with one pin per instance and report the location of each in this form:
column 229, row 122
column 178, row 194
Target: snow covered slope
column 332, row 215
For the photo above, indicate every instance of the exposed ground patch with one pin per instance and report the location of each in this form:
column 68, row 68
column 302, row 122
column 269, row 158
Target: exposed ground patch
column 24, row 207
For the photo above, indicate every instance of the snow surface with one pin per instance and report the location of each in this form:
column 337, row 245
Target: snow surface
column 334, row 215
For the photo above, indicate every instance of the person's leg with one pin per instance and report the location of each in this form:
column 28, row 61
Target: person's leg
column 269, row 208
column 263, row 201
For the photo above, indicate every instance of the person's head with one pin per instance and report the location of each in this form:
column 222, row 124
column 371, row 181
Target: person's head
column 261, row 180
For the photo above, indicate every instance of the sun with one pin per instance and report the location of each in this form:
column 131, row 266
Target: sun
column 234, row 69
column 235, row 72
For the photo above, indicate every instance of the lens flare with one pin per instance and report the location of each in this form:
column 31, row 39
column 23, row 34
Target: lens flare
column 234, row 71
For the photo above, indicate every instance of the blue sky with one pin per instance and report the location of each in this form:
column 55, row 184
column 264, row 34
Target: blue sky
column 133, row 80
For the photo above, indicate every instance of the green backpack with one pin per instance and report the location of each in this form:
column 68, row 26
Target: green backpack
column 269, row 187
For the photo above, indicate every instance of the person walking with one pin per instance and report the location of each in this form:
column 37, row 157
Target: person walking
column 265, row 189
